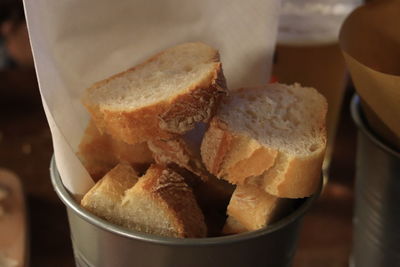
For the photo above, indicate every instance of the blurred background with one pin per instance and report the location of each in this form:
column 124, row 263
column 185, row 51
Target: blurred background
column 26, row 147
column 25, row 142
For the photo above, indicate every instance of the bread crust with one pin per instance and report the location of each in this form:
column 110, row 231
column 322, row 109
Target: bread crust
column 215, row 145
column 170, row 190
column 301, row 177
column 212, row 194
column 232, row 156
column 241, row 160
column 165, row 119
column 100, row 153
column 253, row 208
column 104, row 198
column 199, row 105
column 108, row 199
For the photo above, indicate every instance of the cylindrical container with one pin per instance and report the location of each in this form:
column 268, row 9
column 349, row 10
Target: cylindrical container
column 376, row 234
column 99, row 243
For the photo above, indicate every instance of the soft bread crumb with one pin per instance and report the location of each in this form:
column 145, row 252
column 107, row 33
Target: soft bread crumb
column 160, row 98
column 253, row 208
column 286, row 117
column 173, row 196
column 273, row 136
column 160, row 202
column 104, row 198
column 162, row 77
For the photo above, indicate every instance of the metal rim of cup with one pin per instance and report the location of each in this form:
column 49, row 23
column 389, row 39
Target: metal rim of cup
column 70, row 202
column 358, row 117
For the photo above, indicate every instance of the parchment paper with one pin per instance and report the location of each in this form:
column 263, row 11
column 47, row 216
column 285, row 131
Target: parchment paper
column 370, row 40
column 76, row 43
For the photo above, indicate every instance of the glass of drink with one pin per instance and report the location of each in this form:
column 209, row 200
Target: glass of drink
column 308, row 52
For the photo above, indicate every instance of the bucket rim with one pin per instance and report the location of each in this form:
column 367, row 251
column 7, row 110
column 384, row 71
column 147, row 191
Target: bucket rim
column 73, row 205
column 360, row 121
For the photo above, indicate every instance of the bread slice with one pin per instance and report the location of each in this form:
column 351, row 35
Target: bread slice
column 160, row 98
column 253, row 208
column 273, row 136
column 162, row 203
column 212, row 195
column 100, row 153
column 105, row 197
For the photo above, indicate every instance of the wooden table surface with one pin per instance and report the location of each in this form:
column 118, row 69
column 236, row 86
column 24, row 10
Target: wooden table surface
column 26, row 149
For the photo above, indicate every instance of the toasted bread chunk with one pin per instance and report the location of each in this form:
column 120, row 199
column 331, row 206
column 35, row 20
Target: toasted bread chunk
column 105, row 197
column 253, row 208
column 160, row 98
column 100, row 153
column 160, row 202
column 273, row 136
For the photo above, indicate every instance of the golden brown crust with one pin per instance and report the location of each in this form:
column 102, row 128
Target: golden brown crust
column 242, row 160
column 131, row 127
column 300, row 177
column 165, row 119
column 246, row 158
column 171, row 191
column 234, row 157
column 199, row 105
column 212, row 195
column 252, row 207
column 105, row 196
column 215, row 145
column 100, row 153
column 260, row 160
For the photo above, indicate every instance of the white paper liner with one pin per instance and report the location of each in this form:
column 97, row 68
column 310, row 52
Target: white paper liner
column 76, row 43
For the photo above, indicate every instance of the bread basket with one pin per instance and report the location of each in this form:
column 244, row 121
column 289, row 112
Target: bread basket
column 99, row 243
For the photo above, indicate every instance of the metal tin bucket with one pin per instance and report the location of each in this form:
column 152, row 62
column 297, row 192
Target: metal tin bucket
column 99, row 243
column 376, row 234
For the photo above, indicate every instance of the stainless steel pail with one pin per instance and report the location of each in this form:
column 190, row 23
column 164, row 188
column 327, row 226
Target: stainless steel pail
column 99, row 243
column 376, row 234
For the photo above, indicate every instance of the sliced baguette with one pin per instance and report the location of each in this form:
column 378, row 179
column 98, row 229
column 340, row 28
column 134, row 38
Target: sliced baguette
column 273, row 136
column 253, row 208
column 160, row 98
column 100, row 153
column 160, row 202
column 105, row 197
column 212, row 195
